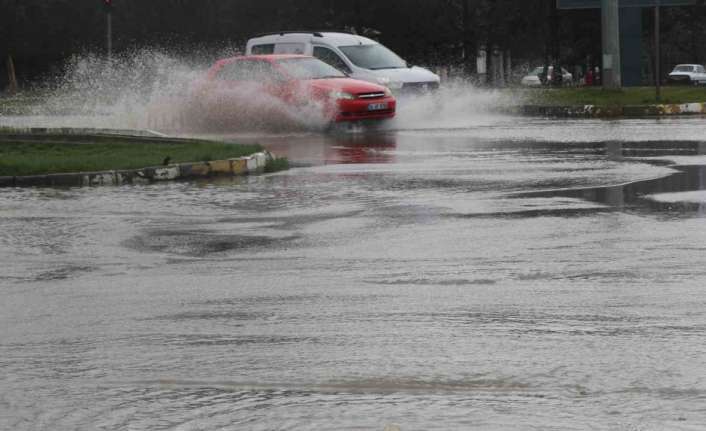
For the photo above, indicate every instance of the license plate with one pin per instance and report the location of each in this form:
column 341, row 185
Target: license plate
column 377, row 106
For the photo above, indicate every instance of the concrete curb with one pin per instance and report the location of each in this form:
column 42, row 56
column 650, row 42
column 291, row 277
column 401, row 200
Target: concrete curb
column 253, row 164
column 592, row 111
column 81, row 131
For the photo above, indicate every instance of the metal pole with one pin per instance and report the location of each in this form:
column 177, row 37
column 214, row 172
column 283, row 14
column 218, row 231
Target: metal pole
column 109, row 35
column 610, row 17
column 658, row 56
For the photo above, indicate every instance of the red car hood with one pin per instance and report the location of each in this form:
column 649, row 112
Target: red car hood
column 348, row 85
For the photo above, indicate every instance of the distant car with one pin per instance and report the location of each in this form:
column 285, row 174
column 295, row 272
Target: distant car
column 357, row 56
column 260, row 85
column 694, row 74
column 532, row 79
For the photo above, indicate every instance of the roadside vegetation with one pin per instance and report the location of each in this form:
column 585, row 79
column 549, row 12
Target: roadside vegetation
column 277, row 164
column 614, row 98
column 38, row 158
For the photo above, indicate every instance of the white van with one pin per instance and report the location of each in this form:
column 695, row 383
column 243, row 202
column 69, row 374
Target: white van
column 357, row 56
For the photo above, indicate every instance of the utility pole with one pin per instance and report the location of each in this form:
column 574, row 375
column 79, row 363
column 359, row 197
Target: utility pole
column 12, row 87
column 469, row 50
column 610, row 17
column 658, row 55
column 108, row 6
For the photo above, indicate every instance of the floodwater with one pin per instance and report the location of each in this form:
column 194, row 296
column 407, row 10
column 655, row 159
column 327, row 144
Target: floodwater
column 517, row 274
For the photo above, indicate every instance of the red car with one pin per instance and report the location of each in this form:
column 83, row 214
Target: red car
column 267, row 84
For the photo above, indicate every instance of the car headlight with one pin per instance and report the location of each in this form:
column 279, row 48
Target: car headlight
column 388, row 92
column 342, row 95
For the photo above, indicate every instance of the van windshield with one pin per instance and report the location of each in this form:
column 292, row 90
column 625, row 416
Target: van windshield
column 309, row 68
column 373, row 57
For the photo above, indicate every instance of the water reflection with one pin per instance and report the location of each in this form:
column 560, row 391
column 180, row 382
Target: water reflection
column 639, row 195
column 336, row 148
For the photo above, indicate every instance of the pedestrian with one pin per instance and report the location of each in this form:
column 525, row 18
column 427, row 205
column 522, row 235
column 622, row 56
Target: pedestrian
column 557, row 76
column 589, row 77
column 597, row 76
column 544, row 75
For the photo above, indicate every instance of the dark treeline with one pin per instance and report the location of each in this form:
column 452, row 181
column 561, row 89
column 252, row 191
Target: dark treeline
column 41, row 34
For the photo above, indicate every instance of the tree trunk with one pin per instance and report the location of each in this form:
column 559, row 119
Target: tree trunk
column 469, row 49
column 12, row 77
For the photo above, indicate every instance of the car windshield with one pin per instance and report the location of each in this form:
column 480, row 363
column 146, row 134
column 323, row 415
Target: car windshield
column 537, row 70
column 374, row 57
column 309, row 68
column 684, row 68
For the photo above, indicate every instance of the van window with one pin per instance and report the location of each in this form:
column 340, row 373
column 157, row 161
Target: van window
column 373, row 57
column 289, row 48
column 329, row 57
column 263, row 49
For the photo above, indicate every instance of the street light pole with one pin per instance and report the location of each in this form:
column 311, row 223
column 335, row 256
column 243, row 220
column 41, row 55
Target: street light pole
column 610, row 17
column 108, row 7
column 109, row 35
column 658, row 56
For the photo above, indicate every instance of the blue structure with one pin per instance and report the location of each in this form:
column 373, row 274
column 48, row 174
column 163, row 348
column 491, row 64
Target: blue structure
column 596, row 4
column 630, row 31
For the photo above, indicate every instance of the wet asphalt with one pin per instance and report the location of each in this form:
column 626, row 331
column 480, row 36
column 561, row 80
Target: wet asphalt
column 510, row 274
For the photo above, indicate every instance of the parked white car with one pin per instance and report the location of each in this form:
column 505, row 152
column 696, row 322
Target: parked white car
column 688, row 74
column 532, row 78
column 357, row 56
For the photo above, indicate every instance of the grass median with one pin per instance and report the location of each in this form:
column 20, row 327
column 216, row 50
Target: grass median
column 628, row 96
column 39, row 158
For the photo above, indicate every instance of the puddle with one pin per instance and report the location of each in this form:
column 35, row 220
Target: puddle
column 642, row 195
column 680, row 193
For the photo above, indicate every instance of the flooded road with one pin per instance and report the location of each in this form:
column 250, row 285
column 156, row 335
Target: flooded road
column 527, row 274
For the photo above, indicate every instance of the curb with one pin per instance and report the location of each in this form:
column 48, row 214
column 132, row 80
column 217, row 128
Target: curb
column 81, row 131
column 248, row 165
column 592, row 111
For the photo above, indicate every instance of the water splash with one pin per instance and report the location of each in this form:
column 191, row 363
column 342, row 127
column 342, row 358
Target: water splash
column 154, row 89
column 457, row 104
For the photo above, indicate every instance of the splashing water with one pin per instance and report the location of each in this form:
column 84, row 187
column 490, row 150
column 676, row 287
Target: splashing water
column 457, row 104
column 151, row 89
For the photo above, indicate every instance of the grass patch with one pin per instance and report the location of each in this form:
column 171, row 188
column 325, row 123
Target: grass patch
column 600, row 97
column 38, row 158
column 276, row 165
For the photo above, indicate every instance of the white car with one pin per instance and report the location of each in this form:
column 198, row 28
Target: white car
column 357, row 56
column 688, row 74
column 532, row 79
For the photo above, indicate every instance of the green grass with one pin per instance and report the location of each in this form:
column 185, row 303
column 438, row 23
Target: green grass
column 600, row 97
column 38, row 158
column 276, row 165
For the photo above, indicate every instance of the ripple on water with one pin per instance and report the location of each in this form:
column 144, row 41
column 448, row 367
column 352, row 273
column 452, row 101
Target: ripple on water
column 198, row 243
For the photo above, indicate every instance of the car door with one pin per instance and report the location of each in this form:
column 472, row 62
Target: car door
column 233, row 74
